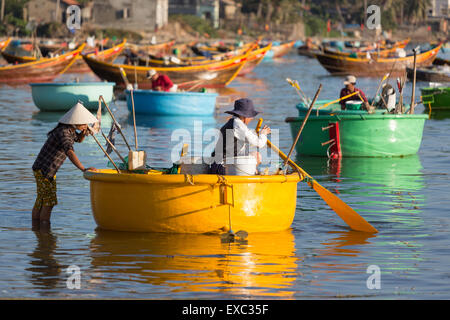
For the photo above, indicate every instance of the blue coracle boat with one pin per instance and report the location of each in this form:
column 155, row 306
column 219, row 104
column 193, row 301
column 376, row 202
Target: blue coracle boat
column 172, row 103
column 53, row 96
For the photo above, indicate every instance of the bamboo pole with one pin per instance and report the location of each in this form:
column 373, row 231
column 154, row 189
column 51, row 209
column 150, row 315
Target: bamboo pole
column 303, row 125
column 413, row 94
column 115, row 121
column 104, row 151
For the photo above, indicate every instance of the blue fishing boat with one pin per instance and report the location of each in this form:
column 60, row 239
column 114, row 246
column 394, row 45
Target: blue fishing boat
column 54, row 96
column 172, row 103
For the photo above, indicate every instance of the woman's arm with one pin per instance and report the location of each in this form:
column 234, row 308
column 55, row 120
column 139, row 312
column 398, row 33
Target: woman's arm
column 77, row 163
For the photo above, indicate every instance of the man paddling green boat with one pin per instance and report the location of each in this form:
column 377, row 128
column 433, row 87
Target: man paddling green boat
column 57, row 148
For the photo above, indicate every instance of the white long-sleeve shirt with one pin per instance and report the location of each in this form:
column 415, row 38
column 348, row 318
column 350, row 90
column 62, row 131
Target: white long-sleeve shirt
column 244, row 137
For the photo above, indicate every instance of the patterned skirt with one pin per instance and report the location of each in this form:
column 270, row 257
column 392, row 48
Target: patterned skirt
column 46, row 191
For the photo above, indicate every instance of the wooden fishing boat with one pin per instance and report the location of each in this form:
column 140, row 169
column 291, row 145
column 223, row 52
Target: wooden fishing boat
column 160, row 49
column 4, row 44
column 79, row 66
column 37, row 71
column 369, row 135
column 430, row 73
column 381, row 51
column 441, row 62
column 282, row 49
column 436, row 98
column 107, row 55
column 254, row 58
column 215, row 74
column 172, row 103
column 179, row 203
column 374, row 67
column 55, row 96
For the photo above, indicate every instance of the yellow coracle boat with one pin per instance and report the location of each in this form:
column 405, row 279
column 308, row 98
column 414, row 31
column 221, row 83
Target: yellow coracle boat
column 181, row 203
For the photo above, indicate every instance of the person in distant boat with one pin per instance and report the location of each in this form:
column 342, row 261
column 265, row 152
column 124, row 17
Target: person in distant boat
column 58, row 146
column 350, row 87
column 160, row 82
column 236, row 138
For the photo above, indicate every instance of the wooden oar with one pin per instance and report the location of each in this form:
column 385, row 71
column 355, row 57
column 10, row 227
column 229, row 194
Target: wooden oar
column 413, row 94
column 343, row 210
column 302, row 126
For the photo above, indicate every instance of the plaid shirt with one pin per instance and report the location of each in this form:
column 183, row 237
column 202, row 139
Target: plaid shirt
column 54, row 152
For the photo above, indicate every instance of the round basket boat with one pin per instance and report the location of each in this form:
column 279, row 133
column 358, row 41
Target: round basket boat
column 369, row 135
column 177, row 203
column 172, row 103
column 63, row 96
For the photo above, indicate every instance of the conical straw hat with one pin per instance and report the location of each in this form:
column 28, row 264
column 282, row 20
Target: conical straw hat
column 78, row 115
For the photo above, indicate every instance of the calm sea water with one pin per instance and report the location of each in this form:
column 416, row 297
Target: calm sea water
column 406, row 199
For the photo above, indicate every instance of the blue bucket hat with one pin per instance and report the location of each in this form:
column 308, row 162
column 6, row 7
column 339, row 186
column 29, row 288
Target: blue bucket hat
column 244, row 108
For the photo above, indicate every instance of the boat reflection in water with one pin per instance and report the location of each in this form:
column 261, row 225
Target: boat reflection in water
column 388, row 192
column 196, row 266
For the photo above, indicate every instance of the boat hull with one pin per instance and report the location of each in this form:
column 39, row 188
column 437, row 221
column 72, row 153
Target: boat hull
column 342, row 65
column 428, row 74
column 217, row 74
column 172, row 103
column 334, row 108
column 192, row 204
column 375, row 135
column 37, row 71
column 436, row 98
column 63, row 96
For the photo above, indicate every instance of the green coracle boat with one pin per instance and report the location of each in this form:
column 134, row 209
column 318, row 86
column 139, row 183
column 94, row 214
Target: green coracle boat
column 326, row 107
column 436, row 98
column 364, row 135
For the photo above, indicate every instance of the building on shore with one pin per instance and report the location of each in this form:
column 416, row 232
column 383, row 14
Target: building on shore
column 439, row 15
column 136, row 15
column 206, row 9
column 45, row 11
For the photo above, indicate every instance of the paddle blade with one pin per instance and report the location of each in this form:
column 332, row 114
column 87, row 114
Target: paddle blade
column 343, row 210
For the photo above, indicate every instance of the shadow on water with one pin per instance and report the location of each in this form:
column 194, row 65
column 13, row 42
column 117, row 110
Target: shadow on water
column 199, row 264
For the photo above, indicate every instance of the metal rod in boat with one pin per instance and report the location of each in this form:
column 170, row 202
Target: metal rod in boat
column 115, row 121
column 104, row 151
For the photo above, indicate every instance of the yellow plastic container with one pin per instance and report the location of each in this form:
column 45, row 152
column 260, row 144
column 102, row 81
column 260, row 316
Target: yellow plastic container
column 179, row 203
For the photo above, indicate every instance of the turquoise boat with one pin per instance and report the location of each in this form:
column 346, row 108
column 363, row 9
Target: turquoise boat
column 364, row 135
column 436, row 98
column 172, row 103
column 63, row 96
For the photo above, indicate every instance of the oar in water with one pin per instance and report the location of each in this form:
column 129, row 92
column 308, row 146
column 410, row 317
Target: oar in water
column 343, row 210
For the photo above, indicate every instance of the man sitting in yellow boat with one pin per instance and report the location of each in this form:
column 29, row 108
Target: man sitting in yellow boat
column 350, row 87
column 235, row 137
column 58, row 146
